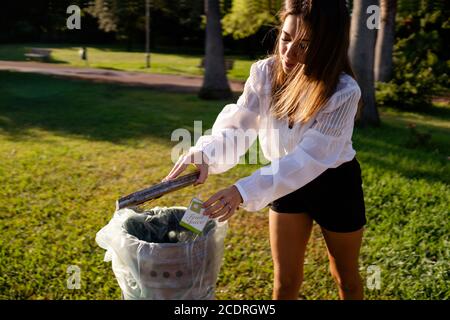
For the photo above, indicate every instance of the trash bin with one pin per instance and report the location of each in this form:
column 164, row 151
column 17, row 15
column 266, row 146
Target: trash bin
column 162, row 270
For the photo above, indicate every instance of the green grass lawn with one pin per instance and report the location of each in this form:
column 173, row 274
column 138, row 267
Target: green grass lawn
column 117, row 59
column 70, row 148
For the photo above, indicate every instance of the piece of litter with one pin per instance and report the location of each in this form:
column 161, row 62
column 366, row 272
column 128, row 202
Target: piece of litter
column 193, row 219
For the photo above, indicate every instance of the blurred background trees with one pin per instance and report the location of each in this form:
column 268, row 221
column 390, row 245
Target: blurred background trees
column 385, row 40
column 421, row 55
column 247, row 17
column 411, row 56
column 362, row 56
column 215, row 82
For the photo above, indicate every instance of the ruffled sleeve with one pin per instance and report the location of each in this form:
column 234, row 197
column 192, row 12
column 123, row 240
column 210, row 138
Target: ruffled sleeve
column 235, row 129
column 319, row 149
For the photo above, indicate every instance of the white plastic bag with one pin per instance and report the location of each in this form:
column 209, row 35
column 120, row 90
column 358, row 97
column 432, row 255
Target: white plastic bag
column 156, row 271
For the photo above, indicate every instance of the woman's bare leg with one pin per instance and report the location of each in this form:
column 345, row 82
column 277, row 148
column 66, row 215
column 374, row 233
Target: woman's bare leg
column 343, row 253
column 289, row 235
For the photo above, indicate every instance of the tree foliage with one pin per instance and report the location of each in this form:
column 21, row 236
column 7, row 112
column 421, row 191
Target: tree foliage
column 421, row 55
column 127, row 17
column 39, row 20
column 406, row 7
column 248, row 16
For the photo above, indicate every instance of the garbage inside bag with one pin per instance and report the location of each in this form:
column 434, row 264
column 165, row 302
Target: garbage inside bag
column 153, row 257
column 161, row 226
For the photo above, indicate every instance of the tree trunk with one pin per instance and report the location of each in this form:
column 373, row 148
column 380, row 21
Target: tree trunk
column 215, row 82
column 362, row 52
column 385, row 41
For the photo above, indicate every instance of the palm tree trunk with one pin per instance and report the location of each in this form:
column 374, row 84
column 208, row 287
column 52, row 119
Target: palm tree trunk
column 215, row 82
column 385, row 41
column 361, row 53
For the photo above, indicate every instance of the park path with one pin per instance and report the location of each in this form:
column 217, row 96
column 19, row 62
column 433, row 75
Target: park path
column 172, row 83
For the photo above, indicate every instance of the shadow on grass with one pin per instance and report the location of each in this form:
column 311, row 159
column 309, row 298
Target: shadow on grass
column 17, row 53
column 53, row 60
column 183, row 72
column 125, row 115
column 385, row 147
column 96, row 111
column 411, row 164
column 436, row 111
column 110, row 68
column 432, row 110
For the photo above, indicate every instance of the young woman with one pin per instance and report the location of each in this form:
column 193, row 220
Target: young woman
column 302, row 101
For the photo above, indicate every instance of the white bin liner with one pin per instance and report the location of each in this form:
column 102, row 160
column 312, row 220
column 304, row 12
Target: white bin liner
column 160, row 271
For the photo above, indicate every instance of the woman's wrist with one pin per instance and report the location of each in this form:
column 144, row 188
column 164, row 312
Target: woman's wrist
column 202, row 156
column 241, row 200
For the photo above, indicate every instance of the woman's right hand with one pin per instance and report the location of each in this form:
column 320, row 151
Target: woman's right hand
column 196, row 158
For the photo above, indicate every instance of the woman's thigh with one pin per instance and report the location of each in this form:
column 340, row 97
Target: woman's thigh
column 289, row 235
column 343, row 252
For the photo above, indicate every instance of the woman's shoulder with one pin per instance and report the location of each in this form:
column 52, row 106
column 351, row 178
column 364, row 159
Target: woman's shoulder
column 347, row 84
column 260, row 74
column 264, row 64
column 347, row 90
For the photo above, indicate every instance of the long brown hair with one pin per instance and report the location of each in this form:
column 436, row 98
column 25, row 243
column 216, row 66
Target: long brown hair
column 297, row 96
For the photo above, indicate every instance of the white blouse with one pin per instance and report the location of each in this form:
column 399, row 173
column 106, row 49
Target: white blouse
column 297, row 155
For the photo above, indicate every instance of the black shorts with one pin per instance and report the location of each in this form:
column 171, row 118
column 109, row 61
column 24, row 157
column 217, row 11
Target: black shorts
column 335, row 199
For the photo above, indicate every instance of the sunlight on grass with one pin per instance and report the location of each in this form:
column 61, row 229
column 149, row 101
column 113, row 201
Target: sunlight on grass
column 69, row 149
column 98, row 57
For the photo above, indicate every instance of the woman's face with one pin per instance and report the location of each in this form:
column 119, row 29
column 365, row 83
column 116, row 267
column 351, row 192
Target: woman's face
column 291, row 55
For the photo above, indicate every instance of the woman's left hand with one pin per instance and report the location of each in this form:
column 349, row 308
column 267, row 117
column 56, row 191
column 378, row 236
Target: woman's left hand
column 223, row 204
